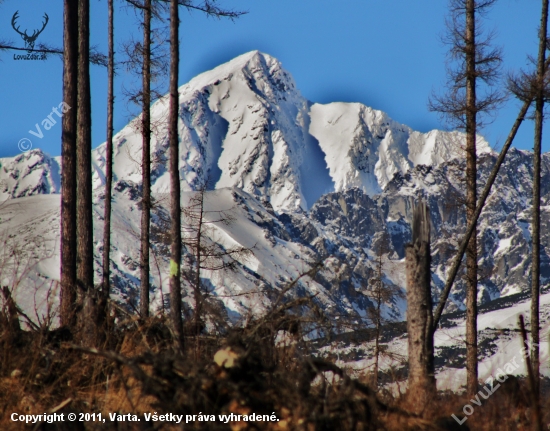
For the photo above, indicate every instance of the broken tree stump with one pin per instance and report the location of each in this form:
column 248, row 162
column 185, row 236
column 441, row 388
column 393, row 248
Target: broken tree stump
column 419, row 311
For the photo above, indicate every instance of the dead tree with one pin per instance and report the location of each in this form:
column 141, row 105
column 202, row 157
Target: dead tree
column 141, row 60
column 146, row 163
column 536, row 86
column 527, row 96
column 68, row 161
column 419, row 308
column 463, row 106
column 211, row 9
column 535, row 231
column 204, row 252
column 9, row 318
column 531, row 379
column 108, row 161
column 90, row 317
column 175, row 192
column 380, row 293
column 376, row 315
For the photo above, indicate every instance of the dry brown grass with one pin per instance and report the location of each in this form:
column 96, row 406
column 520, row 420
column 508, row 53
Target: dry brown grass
column 139, row 371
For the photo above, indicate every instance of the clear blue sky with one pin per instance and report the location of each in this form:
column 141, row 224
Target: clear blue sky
column 384, row 53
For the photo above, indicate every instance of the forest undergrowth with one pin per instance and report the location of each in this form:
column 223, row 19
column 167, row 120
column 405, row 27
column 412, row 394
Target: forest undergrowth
column 141, row 370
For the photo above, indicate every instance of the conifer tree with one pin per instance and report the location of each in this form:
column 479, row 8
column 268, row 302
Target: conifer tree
column 473, row 71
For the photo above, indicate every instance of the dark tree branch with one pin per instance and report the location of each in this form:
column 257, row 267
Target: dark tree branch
column 96, row 57
column 472, row 225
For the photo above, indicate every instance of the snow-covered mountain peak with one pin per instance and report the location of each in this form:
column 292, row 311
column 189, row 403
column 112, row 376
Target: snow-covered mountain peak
column 252, row 64
column 245, row 124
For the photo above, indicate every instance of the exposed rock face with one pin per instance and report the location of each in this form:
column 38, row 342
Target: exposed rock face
column 503, row 227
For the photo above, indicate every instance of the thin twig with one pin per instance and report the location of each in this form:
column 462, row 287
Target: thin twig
column 52, row 411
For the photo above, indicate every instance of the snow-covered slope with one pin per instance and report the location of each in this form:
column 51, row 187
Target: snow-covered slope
column 29, row 262
column 29, row 251
column 499, row 342
column 29, row 174
column 364, row 148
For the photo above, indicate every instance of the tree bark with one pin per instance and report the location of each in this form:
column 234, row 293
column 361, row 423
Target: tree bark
column 471, row 200
column 108, row 160
column 198, row 294
column 175, row 207
column 531, row 380
column 378, row 321
column 535, row 234
column 9, row 318
column 146, row 162
column 419, row 310
column 84, row 210
column 68, row 157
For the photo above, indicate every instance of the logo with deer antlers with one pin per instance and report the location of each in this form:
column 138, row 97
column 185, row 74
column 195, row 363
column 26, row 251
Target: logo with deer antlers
column 29, row 39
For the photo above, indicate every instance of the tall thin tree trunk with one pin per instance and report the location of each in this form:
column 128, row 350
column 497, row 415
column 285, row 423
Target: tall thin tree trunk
column 175, row 207
column 68, row 153
column 108, row 160
column 146, row 162
column 535, row 264
column 378, row 324
column 198, row 295
column 84, row 209
column 471, row 199
column 419, row 310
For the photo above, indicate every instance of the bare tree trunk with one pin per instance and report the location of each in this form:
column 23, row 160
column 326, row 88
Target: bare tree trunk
column 146, row 162
column 471, row 200
column 419, row 310
column 84, row 210
column 198, row 295
column 175, row 207
column 108, row 162
column 475, row 59
column 68, row 154
column 531, row 379
column 378, row 323
column 535, row 260
column 9, row 317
